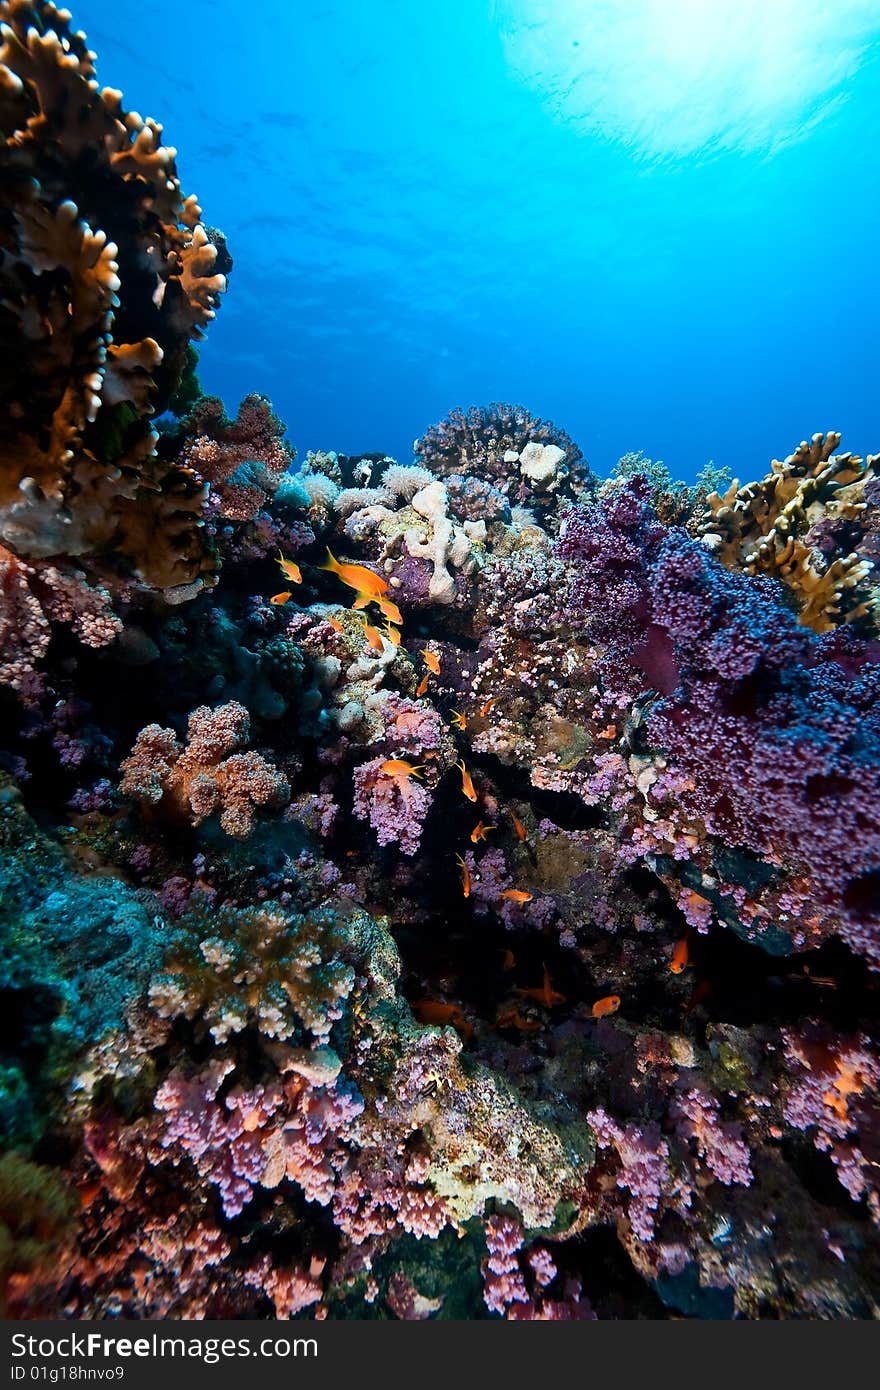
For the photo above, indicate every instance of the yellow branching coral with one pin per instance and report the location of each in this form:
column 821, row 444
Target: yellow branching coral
column 106, row 273
column 801, row 524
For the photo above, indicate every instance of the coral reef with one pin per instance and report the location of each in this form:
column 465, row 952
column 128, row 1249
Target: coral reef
column 244, row 460
column 674, row 503
column 756, row 762
column 36, row 1224
column 34, row 596
column 509, row 453
column 470, row 907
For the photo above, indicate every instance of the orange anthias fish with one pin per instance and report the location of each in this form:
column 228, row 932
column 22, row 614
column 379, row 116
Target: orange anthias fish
column 88, row 1191
column 423, row 684
column 365, row 582
column 679, row 957
column 290, row 569
column 280, row 599
column 459, row 721
column 336, row 625
column 465, row 876
column 480, row 831
column 518, row 825
column 546, row 995
column 393, row 635
column 432, row 661
column 511, row 1017
column 374, row 637
column 517, row 895
column 400, row 768
column 436, row 1011
column 390, row 610
column 603, row 1007
column 467, row 785
column 485, row 708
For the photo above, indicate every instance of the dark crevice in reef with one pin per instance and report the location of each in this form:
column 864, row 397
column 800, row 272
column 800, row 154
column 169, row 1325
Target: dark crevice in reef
column 455, row 630
column 565, row 809
column 862, row 895
column 820, row 1178
column 458, row 955
column 744, row 985
column 25, row 1014
column 609, row 1280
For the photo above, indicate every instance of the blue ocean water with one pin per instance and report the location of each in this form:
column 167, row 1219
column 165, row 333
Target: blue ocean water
column 649, row 220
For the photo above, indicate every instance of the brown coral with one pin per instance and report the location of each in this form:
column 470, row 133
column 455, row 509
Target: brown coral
column 105, row 275
column 244, row 460
column 190, row 783
column 771, row 527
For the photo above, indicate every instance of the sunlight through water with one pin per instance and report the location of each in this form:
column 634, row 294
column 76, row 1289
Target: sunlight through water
column 676, row 79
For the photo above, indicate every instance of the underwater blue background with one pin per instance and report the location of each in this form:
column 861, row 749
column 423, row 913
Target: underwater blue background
column 652, row 223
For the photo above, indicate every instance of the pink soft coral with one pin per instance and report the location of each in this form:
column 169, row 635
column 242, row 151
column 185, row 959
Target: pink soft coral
column 395, row 806
column 35, row 595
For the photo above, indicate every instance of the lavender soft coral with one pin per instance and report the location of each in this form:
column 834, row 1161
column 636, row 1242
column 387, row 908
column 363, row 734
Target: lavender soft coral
column 35, row 596
column 395, row 805
column 771, row 733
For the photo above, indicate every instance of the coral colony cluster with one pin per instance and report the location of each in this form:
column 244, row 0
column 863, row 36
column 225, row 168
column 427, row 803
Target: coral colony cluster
column 440, row 890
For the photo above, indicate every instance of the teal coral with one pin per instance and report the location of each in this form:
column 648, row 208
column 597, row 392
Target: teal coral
column 75, row 953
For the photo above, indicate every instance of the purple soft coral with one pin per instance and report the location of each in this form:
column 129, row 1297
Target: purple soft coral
column 771, row 731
